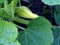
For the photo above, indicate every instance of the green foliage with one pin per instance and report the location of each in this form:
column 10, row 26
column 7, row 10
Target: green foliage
column 8, row 33
column 38, row 33
column 56, row 32
column 1, row 1
column 11, row 43
column 51, row 2
column 10, row 8
column 14, row 43
column 13, row 4
column 57, row 14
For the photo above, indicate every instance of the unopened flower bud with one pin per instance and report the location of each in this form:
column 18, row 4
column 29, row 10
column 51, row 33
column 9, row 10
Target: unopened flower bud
column 24, row 12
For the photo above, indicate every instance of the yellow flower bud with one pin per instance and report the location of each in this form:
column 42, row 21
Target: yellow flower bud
column 24, row 12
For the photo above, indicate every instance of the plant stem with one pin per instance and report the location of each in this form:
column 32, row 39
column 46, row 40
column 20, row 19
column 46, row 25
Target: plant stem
column 16, row 19
column 20, row 27
column 19, row 20
column 29, row 5
column 19, row 2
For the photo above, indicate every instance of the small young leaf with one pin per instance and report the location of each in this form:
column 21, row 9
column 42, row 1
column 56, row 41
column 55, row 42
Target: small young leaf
column 38, row 33
column 13, row 3
column 10, row 8
column 14, row 43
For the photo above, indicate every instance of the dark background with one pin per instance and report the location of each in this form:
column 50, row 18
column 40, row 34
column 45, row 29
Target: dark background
column 38, row 7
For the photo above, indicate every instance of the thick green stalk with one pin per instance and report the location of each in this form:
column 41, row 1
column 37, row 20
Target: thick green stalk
column 16, row 19
column 19, row 20
column 22, row 28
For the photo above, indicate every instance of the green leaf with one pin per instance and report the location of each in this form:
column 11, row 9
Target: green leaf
column 38, row 33
column 51, row 2
column 1, row 1
column 56, row 32
column 9, row 11
column 14, row 43
column 10, row 8
column 5, row 3
column 8, row 31
column 3, row 14
column 10, row 43
column 57, row 14
column 13, row 3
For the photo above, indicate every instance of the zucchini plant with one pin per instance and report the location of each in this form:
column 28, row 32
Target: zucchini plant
column 38, row 31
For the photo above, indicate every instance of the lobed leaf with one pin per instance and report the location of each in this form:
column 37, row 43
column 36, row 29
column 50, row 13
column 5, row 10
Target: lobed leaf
column 10, row 43
column 38, row 33
column 8, row 31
